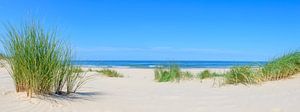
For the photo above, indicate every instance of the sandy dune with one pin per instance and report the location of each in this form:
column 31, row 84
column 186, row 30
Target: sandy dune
column 137, row 92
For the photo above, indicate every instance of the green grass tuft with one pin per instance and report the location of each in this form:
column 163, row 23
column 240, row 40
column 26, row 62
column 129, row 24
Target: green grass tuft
column 282, row 67
column 187, row 75
column 75, row 79
column 244, row 75
column 279, row 68
column 110, row 73
column 167, row 74
column 77, row 70
column 39, row 62
column 207, row 74
column 172, row 73
column 1, row 60
column 90, row 70
column 1, row 56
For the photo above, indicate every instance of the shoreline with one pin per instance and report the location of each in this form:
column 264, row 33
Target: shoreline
column 157, row 64
column 192, row 70
column 97, row 67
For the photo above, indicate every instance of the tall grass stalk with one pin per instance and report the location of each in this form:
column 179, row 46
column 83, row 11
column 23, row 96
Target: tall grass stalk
column 39, row 62
column 76, row 79
column 282, row 67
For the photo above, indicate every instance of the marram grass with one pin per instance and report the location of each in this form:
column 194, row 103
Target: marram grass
column 279, row 68
column 1, row 56
column 77, row 70
column 243, row 75
column 1, row 60
column 170, row 74
column 167, row 74
column 207, row 74
column 282, row 67
column 186, row 75
column 110, row 73
column 75, row 79
column 39, row 62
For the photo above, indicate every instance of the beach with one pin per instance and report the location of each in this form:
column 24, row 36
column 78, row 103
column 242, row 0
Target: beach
column 138, row 92
column 150, row 56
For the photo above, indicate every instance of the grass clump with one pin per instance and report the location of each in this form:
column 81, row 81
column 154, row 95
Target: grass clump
column 1, row 56
column 207, row 74
column 186, row 75
column 90, row 70
column 1, row 60
column 244, row 75
column 77, row 70
column 110, row 73
column 167, row 74
column 172, row 73
column 279, row 68
column 75, row 79
column 282, row 67
column 39, row 63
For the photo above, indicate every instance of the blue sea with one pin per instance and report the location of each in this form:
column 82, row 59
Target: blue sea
column 154, row 64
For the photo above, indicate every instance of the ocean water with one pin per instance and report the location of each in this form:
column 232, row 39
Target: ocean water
column 154, row 64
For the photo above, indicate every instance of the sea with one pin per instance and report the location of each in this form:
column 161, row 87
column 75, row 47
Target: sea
column 155, row 64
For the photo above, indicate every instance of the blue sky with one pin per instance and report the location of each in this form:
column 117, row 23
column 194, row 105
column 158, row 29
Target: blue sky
column 167, row 29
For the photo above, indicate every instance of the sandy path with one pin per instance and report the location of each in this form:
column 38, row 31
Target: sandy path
column 137, row 92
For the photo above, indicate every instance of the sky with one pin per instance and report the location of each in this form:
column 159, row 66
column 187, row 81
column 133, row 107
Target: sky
column 236, row 30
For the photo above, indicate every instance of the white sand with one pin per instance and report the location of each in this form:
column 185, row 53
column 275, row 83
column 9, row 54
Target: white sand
column 138, row 92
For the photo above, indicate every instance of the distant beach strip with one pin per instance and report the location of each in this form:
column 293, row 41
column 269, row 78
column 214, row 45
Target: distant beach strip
column 155, row 64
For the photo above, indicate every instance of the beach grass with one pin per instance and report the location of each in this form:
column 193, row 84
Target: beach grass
column 110, row 73
column 90, row 70
column 282, row 67
column 171, row 73
column 168, row 74
column 76, row 79
column 243, row 75
column 1, row 56
column 207, row 74
column 39, row 63
column 1, row 60
column 186, row 75
column 276, row 69
column 78, row 70
column 279, row 68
